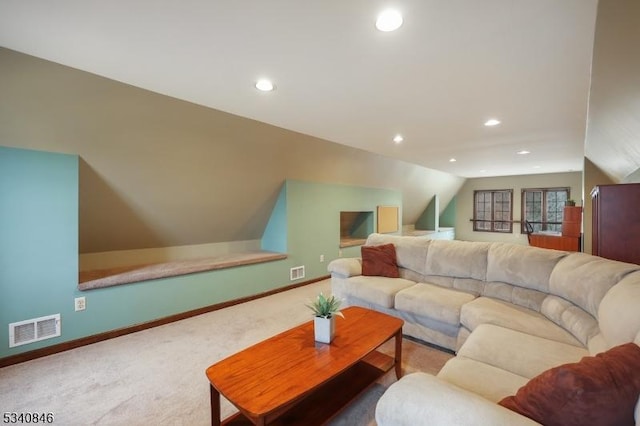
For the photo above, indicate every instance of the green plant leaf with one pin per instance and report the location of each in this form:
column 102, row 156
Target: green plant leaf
column 325, row 307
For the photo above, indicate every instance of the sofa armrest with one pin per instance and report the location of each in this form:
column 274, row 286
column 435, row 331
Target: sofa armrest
column 423, row 399
column 345, row 267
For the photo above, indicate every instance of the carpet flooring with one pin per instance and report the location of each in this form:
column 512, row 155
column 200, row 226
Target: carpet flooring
column 157, row 376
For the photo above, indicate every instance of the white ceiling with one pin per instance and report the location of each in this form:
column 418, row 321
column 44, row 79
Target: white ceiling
column 450, row 67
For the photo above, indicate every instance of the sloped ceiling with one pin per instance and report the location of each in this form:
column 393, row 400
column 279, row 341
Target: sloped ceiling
column 158, row 172
column 451, row 66
column 613, row 135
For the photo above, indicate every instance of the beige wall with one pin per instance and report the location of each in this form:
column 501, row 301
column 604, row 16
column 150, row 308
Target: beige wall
column 464, row 227
column 612, row 145
column 613, row 130
column 158, row 172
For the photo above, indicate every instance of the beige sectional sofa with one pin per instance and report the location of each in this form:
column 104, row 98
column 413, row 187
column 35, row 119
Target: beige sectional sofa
column 509, row 311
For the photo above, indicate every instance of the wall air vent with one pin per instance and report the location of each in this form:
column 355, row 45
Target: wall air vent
column 296, row 273
column 33, row 330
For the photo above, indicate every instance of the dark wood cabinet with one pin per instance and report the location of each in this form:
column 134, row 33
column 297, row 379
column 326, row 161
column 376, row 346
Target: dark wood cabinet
column 569, row 240
column 572, row 221
column 616, row 222
column 556, row 242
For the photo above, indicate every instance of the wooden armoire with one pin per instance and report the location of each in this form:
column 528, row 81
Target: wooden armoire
column 616, row 222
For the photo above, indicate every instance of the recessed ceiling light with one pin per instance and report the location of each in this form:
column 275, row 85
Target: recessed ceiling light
column 398, row 138
column 389, row 20
column 491, row 122
column 523, row 152
column 264, row 85
column 452, row 160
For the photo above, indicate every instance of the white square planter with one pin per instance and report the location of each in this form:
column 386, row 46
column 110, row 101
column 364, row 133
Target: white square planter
column 324, row 329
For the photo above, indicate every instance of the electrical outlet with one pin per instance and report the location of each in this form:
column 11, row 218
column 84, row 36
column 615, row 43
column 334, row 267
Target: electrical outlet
column 322, row 258
column 339, row 253
column 80, row 303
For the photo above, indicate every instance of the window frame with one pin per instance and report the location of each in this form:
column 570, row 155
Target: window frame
column 493, row 221
column 544, row 223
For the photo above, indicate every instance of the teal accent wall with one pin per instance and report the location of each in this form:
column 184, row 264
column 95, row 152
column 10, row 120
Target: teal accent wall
column 38, row 239
column 39, row 251
column 313, row 211
column 428, row 218
column 363, row 225
column 448, row 216
column 274, row 237
column 39, row 261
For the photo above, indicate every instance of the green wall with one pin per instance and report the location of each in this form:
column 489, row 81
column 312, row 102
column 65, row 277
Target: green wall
column 39, row 251
column 39, row 260
column 448, row 216
column 427, row 219
column 274, row 237
column 313, row 211
column 38, row 239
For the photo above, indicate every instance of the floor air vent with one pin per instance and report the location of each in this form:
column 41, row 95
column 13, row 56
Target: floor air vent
column 296, row 273
column 33, row 330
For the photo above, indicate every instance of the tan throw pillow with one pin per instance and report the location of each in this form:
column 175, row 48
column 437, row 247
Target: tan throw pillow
column 598, row 390
column 379, row 261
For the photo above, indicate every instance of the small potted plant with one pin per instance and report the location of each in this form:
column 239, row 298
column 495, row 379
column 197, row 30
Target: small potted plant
column 325, row 310
column 570, row 203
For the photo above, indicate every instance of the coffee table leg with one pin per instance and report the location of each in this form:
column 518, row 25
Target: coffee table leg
column 398, row 358
column 215, row 406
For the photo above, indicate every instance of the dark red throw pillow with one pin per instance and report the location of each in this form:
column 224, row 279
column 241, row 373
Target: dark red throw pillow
column 379, row 261
column 599, row 390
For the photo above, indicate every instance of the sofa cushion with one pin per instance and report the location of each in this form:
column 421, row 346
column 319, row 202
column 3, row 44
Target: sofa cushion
column 345, row 266
column 411, row 252
column 469, row 285
column 411, row 275
column 462, row 259
column 379, row 261
column 525, row 297
column 597, row 344
column 523, row 266
column 492, row 383
column 618, row 313
column 428, row 330
column 584, row 279
column 432, row 301
column 439, row 280
column 422, row 399
column 519, row 353
column 380, row 291
column 600, row 390
column 570, row 317
column 484, row 310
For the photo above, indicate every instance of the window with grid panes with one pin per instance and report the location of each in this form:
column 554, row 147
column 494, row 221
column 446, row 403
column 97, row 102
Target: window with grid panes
column 543, row 208
column 493, row 211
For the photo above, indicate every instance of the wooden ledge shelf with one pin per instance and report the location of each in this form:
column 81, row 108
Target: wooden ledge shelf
column 352, row 242
column 89, row 280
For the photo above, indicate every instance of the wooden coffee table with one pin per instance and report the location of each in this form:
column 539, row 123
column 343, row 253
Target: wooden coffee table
column 291, row 379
